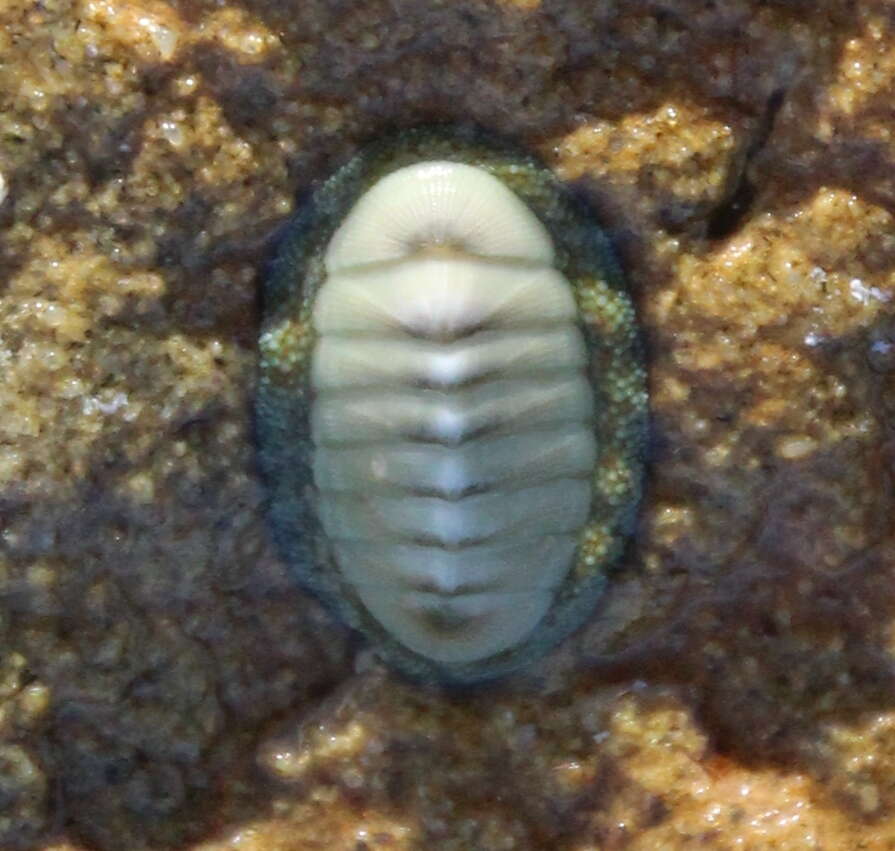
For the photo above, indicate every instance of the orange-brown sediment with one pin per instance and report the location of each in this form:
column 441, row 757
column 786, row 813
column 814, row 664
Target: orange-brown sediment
column 162, row 680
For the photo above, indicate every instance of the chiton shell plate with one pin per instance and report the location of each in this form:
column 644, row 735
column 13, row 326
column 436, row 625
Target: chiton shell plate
column 451, row 404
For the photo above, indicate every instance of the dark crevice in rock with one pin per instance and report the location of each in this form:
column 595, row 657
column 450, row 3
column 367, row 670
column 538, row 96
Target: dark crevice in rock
column 724, row 219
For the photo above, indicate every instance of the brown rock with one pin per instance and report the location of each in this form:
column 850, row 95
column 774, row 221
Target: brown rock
column 162, row 680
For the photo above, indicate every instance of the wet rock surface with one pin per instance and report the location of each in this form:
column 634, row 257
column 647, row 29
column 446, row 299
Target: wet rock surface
column 164, row 684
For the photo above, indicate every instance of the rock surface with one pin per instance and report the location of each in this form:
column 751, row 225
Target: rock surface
column 164, row 684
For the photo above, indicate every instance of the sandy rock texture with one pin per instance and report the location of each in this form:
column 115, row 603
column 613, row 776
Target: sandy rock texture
column 165, row 685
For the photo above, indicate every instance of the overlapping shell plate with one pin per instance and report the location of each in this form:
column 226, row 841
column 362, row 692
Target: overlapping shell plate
column 451, row 405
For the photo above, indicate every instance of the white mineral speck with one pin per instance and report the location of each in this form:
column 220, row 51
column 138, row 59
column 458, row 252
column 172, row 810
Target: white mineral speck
column 818, row 275
column 864, row 294
column 93, row 404
column 172, row 131
column 796, row 446
column 164, row 38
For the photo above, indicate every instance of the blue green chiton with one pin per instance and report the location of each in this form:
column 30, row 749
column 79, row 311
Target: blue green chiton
column 451, row 406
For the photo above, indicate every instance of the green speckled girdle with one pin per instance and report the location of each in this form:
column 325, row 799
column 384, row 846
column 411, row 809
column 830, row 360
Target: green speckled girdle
column 616, row 371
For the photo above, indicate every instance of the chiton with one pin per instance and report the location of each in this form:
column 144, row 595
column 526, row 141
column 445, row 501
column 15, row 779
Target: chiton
column 452, row 402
